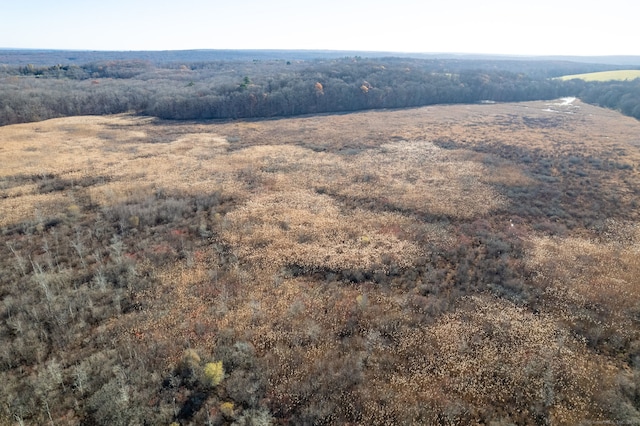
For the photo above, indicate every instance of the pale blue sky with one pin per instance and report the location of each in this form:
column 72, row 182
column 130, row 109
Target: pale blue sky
column 543, row 27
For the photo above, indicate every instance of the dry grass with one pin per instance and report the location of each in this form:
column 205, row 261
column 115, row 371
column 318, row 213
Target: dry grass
column 307, row 229
column 599, row 272
column 198, row 158
column 602, row 277
column 413, row 195
column 492, row 353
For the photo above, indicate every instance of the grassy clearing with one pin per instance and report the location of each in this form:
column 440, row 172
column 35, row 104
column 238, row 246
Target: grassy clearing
column 441, row 265
column 605, row 75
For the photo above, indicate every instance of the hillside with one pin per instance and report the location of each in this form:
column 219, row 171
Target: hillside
column 440, row 265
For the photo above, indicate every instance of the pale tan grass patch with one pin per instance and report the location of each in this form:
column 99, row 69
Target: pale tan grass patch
column 32, row 207
column 419, row 176
column 117, row 192
column 310, row 230
column 483, row 352
column 59, row 144
column 410, row 175
column 201, row 146
column 622, row 233
column 588, row 271
column 114, row 148
column 19, row 190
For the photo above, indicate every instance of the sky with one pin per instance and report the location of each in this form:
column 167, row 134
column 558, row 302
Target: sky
column 510, row 27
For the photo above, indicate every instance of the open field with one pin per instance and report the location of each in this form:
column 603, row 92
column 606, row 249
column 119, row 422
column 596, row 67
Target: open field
column 469, row 264
column 605, row 75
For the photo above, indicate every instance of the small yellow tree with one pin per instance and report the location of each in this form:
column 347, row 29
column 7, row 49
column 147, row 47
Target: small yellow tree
column 214, row 373
column 226, row 408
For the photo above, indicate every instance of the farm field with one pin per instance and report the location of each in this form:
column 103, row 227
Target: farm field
column 467, row 264
column 605, row 75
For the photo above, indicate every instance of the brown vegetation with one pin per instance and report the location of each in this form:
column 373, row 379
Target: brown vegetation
column 444, row 265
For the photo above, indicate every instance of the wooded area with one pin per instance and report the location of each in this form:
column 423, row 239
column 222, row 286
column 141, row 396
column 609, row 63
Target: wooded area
column 232, row 89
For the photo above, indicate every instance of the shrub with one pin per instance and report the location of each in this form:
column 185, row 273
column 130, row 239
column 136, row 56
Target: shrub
column 73, row 210
column 134, row 221
column 227, row 409
column 214, row 373
column 189, row 365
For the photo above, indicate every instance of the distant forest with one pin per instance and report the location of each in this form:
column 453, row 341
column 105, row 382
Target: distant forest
column 263, row 88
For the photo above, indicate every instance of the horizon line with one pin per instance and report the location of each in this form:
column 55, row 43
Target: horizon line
column 460, row 53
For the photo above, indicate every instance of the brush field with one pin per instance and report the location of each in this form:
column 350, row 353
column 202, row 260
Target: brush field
column 469, row 264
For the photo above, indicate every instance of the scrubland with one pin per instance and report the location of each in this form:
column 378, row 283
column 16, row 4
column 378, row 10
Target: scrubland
column 468, row 264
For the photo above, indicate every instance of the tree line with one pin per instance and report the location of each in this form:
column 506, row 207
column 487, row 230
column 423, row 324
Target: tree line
column 278, row 88
column 623, row 96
